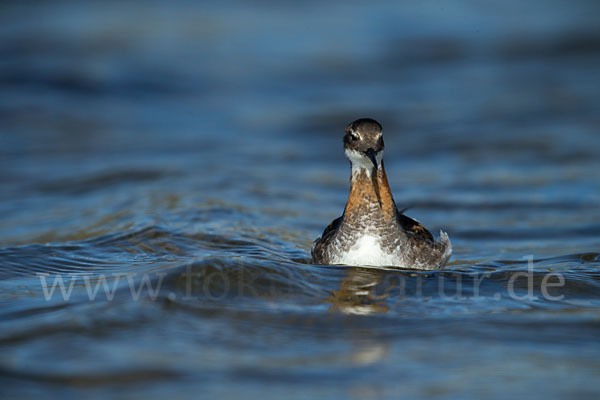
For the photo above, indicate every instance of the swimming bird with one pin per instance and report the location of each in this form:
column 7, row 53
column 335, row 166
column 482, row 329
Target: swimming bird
column 372, row 231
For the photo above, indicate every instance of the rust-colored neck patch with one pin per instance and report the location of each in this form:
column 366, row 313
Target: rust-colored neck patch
column 368, row 191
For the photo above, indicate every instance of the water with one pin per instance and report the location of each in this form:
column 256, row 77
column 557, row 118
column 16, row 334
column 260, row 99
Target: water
column 194, row 151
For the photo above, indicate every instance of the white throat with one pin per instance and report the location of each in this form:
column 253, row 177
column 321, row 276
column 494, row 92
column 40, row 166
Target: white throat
column 361, row 163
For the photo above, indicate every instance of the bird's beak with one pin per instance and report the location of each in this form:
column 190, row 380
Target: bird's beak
column 371, row 154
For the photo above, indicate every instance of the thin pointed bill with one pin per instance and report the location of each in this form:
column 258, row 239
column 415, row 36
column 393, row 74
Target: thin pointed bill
column 372, row 156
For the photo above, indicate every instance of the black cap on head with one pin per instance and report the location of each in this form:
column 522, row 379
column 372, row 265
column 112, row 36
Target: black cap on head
column 366, row 125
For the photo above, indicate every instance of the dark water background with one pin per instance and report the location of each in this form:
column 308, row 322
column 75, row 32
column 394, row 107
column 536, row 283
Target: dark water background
column 196, row 147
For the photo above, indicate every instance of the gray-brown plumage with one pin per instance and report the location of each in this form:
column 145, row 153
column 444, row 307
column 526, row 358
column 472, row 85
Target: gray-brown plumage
column 371, row 231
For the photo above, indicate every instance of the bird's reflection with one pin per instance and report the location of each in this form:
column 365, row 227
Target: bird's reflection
column 361, row 292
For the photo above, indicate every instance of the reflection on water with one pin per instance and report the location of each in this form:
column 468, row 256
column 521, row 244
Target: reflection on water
column 165, row 168
column 356, row 293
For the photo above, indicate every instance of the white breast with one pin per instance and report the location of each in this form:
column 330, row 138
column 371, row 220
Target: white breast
column 366, row 251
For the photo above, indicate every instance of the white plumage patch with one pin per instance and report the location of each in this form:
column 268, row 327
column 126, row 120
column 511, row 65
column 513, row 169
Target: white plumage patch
column 366, row 251
column 360, row 162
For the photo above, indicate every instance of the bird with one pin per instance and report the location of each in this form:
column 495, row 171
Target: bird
column 372, row 232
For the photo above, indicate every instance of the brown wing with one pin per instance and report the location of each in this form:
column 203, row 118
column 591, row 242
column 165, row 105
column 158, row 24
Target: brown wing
column 410, row 225
column 317, row 252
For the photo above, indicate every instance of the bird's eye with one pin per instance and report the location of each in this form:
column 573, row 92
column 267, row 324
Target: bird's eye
column 353, row 136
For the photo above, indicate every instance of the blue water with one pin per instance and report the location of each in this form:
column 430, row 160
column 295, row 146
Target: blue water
column 187, row 154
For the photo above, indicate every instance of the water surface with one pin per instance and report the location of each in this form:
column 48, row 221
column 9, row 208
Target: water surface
column 186, row 155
